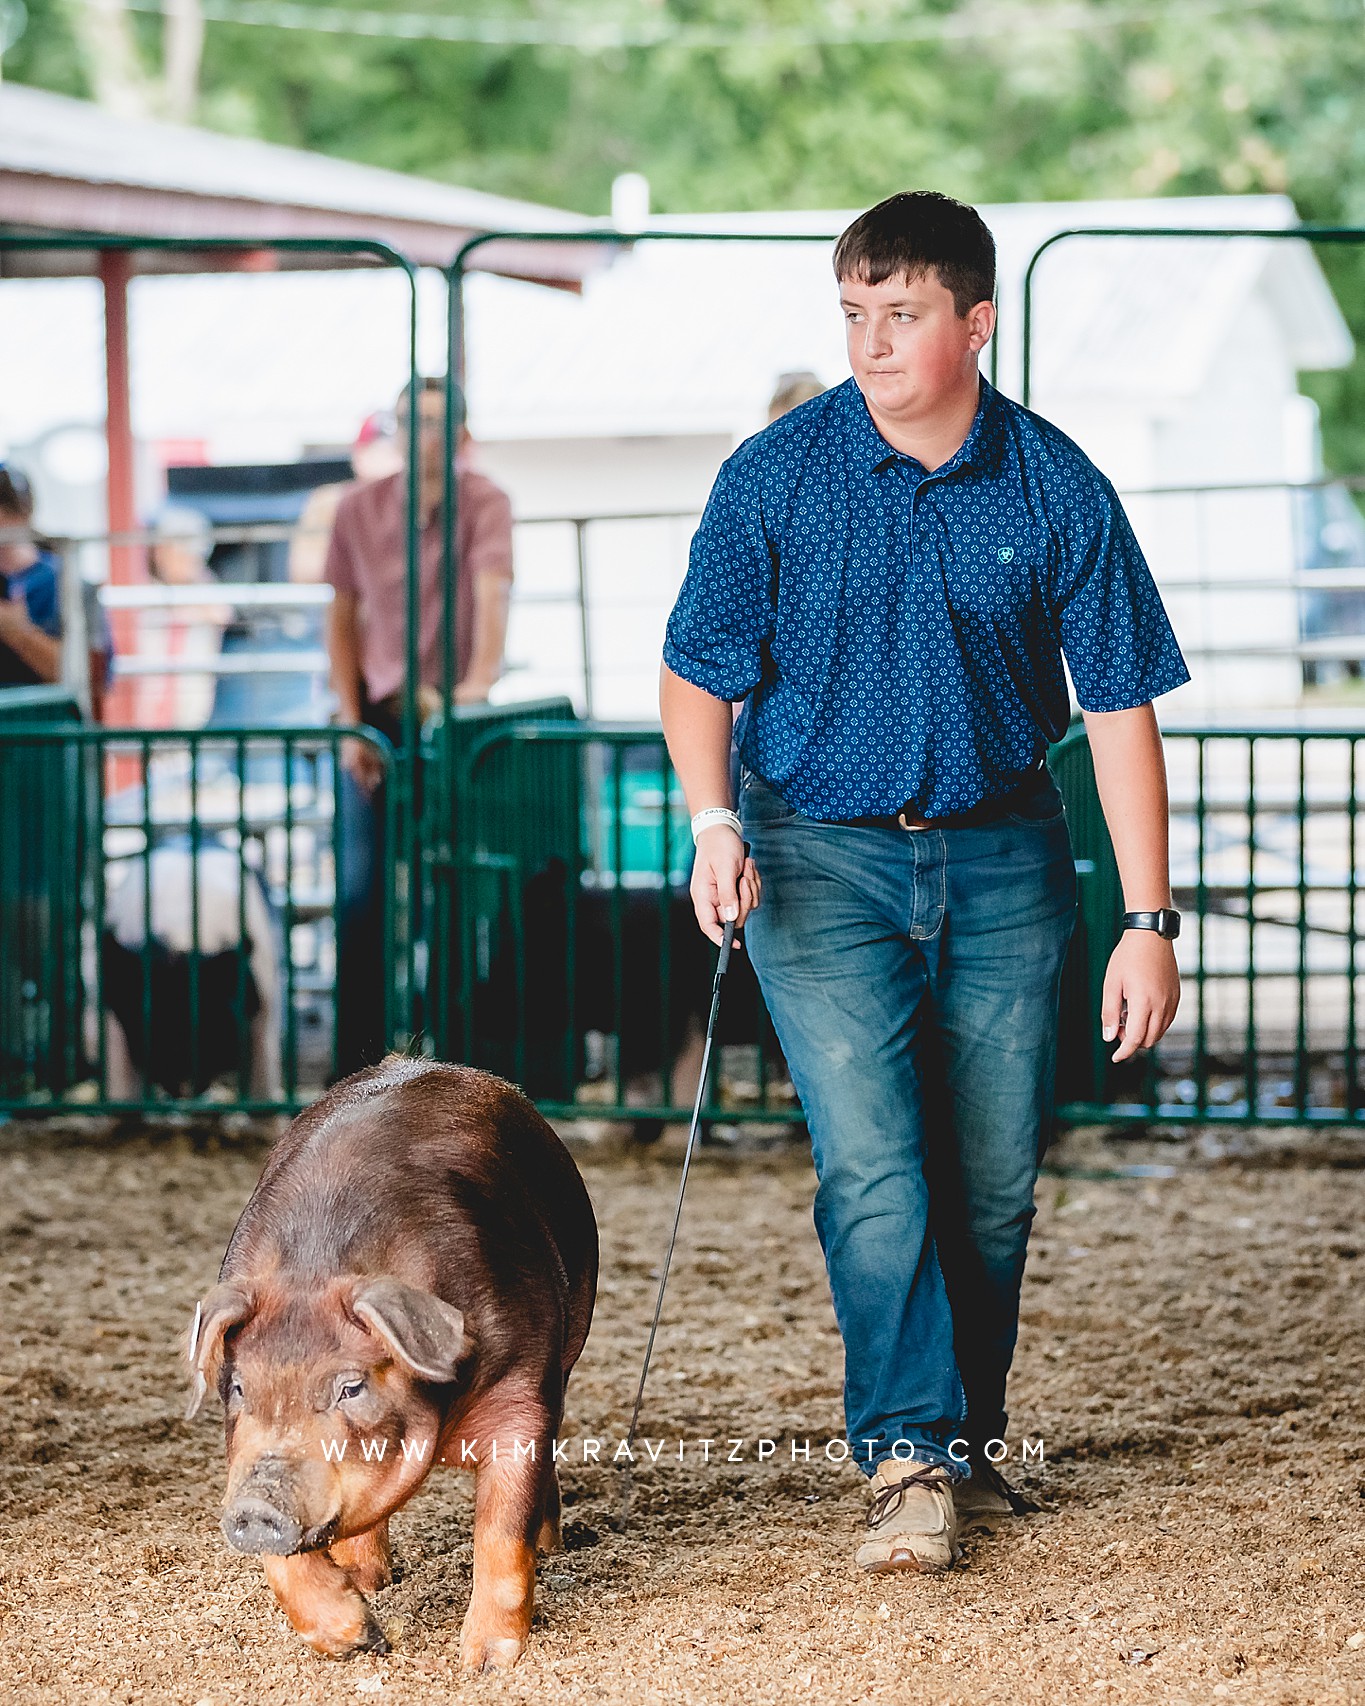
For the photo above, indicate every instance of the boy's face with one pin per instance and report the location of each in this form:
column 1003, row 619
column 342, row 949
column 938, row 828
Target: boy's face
column 908, row 348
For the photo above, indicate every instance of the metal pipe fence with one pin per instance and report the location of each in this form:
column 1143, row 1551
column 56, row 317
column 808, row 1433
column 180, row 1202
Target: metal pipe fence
column 575, row 965
column 172, row 906
column 1267, row 854
column 364, row 252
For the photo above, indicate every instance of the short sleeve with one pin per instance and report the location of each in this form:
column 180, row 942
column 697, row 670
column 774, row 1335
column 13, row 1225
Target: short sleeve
column 339, row 570
column 42, row 597
column 1116, row 636
column 723, row 617
column 488, row 550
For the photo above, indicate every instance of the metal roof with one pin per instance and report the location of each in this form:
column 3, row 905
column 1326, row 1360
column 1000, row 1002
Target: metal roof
column 70, row 166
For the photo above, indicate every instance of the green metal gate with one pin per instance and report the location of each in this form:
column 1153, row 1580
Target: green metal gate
column 93, row 823
column 82, row 806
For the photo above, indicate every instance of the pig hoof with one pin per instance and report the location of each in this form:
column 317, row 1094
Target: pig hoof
column 369, row 1578
column 494, row 1653
column 370, row 1639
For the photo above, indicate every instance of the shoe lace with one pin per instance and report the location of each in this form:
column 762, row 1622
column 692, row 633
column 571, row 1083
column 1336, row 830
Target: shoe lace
column 889, row 1499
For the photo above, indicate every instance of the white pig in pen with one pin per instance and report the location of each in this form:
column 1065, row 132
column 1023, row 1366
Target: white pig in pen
column 156, row 1040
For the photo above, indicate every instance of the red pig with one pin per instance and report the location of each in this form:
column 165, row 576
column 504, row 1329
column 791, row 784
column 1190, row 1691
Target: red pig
column 410, row 1283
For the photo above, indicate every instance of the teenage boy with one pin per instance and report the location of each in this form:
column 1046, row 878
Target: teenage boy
column 889, row 577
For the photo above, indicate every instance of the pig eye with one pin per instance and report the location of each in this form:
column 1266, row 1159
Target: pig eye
column 350, row 1387
column 235, row 1388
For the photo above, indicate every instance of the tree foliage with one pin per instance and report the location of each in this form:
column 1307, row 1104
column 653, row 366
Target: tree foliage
column 999, row 101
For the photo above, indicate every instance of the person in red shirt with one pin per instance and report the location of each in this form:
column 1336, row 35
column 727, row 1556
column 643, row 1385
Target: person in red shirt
column 367, row 647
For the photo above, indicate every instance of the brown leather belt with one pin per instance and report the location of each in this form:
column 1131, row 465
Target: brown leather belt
column 987, row 811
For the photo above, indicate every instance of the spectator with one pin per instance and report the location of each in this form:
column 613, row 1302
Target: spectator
column 367, row 644
column 374, row 455
column 793, row 388
column 180, row 557
column 30, row 601
column 30, row 594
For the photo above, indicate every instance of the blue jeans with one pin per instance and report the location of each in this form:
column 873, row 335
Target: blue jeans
column 913, row 977
column 361, row 968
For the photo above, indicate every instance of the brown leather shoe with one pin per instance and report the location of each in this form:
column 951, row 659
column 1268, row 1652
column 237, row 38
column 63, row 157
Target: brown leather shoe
column 911, row 1523
column 987, row 1496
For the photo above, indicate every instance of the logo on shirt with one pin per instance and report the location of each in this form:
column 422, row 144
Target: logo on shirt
column 1005, row 554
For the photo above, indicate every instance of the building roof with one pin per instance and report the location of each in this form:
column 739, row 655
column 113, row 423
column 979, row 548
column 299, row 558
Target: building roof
column 71, row 166
column 689, row 337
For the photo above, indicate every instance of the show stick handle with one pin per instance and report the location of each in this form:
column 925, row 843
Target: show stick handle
column 727, row 942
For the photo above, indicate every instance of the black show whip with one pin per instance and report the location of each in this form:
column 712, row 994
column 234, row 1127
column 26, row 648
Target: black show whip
column 722, row 966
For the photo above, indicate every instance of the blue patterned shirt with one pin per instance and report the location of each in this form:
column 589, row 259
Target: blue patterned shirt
column 898, row 635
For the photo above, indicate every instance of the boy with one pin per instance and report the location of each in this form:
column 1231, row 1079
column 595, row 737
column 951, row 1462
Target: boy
column 889, row 576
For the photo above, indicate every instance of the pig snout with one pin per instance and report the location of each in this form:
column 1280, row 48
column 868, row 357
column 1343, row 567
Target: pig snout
column 260, row 1517
column 252, row 1525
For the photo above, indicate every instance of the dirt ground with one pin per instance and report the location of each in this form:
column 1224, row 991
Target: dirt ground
column 1191, row 1356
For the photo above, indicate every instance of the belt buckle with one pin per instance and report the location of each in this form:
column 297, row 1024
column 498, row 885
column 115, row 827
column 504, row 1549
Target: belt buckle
column 913, row 823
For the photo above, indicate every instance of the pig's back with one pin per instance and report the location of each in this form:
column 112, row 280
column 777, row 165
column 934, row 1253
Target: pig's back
column 433, row 1171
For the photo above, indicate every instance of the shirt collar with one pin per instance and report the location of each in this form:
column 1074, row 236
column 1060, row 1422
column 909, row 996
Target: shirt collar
column 980, row 449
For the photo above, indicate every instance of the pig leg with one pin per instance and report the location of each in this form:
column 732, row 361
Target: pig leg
column 318, row 1598
column 366, row 1558
column 509, row 1500
column 122, row 1082
column 267, row 1076
column 687, row 1065
column 549, row 1539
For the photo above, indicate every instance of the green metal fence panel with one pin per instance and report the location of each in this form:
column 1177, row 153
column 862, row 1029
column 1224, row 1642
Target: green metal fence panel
column 586, row 988
column 44, row 840
column 37, row 705
column 1266, row 866
column 403, row 987
column 583, row 972
column 501, row 830
column 172, row 915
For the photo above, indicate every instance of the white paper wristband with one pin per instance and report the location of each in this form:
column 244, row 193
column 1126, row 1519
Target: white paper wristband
column 713, row 815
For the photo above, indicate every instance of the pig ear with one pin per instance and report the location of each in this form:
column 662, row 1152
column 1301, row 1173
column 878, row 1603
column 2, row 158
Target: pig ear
column 422, row 1330
column 225, row 1306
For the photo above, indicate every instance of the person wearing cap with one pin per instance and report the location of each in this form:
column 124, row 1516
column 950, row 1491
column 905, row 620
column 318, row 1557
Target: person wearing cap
column 367, row 646
column 891, row 577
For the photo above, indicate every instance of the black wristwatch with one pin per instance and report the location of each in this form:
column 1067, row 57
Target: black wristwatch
column 1166, row 922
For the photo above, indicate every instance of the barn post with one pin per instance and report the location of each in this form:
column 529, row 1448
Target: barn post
column 126, row 562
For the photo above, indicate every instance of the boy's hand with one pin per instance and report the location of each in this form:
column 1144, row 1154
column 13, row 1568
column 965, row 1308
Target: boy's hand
column 1141, row 992
column 725, row 882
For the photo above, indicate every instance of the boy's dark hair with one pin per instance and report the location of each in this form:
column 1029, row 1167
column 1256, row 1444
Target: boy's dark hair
column 910, row 234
